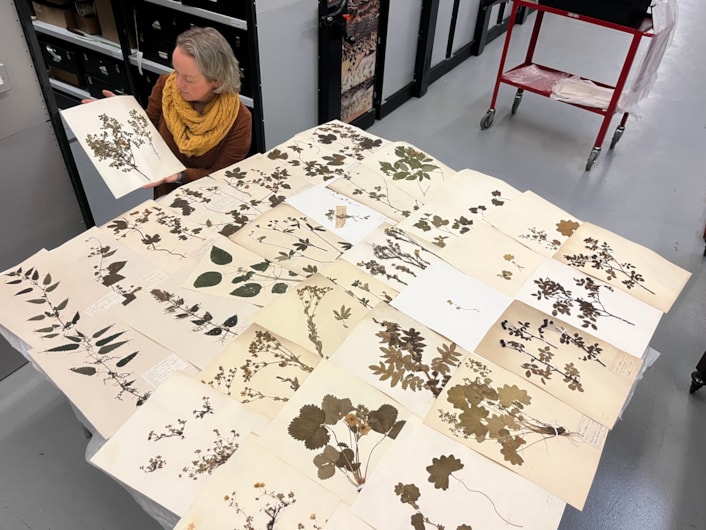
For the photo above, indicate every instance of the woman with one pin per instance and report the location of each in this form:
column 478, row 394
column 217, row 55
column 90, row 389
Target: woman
column 197, row 108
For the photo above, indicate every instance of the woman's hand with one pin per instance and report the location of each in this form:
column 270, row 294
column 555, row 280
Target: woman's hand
column 166, row 180
column 106, row 93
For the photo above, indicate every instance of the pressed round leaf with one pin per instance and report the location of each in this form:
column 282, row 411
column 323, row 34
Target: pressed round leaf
column 220, row 256
column 208, row 279
column 279, row 288
column 248, row 290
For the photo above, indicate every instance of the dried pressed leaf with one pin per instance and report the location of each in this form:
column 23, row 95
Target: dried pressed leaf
column 441, row 468
column 335, row 408
column 64, row 347
column 220, row 256
column 110, row 347
column 122, row 362
column 208, row 279
column 248, row 290
column 261, row 267
column 279, row 288
column 382, row 419
column 84, row 370
column 308, row 427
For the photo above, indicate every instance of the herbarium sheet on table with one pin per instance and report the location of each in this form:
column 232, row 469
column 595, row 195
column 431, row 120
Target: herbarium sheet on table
column 534, row 222
column 624, row 265
column 161, row 235
column 98, row 255
column 592, row 305
column 319, row 315
column 345, row 217
column 214, row 204
column 428, row 480
column 196, row 326
column 343, row 517
column 169, row 449
column 255, row 490
column 343, row 138
column 457, row 206
column 396, row 180
column 260, row 369
column 359, row 284
column 586, row 373
column 336, row 429
column 122, row 143
column 41, row 297
column 452, row 304
column 288, row 237
column 107, row 369
column 392, row 256
column 231, row 271
column 509, row 420
column 493, row 257
column 399, row 356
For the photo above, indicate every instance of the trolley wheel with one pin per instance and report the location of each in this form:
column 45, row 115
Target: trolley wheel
column 517, row 101
column 487, row 119
column 616, row 136
column 592, row 157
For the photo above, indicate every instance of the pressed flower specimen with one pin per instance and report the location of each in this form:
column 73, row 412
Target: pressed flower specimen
column 338, row 428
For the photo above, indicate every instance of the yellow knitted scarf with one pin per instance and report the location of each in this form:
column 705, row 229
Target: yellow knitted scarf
column 193, row 132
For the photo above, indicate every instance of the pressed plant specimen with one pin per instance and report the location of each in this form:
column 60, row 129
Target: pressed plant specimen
column 274, row 181
column 108, row 272
column 207, row 460
column 134, row 223
column 323, row 166
column 310, row 297
column 273, row 503
column 347, row 139
column 296, row 237
column 490, row 413
column 441, row 470
column 541, row 237
column 506, row 274
column 589, row 309
column 404, row 255
column 540, row 359
column 180, row 309
column 170, row 431
column 402, row 361
column 338, row 428
column 118, row 141
column 601, row 257
column 250, row 280
column 410, row 164
column 99, row 354
column 187, row 200
column 153, row 464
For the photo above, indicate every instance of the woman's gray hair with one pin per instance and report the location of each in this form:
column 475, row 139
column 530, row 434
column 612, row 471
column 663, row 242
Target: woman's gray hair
column 214, row 57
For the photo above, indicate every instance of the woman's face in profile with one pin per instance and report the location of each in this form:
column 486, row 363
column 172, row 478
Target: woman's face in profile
column 192, row 84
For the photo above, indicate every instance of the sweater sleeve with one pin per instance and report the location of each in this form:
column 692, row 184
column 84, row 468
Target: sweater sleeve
column 154, row 103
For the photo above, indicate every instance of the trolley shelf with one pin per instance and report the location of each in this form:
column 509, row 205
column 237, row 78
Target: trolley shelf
column 539, row 79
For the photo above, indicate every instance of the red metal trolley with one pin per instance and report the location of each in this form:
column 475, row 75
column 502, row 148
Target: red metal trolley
column 542, row 84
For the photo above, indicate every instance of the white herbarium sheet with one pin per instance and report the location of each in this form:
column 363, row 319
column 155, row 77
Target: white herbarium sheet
column 430, row 477
column 625, row 265
column 122, row 143
column 336, row 429
column 511, row 421
column 255, row 489
column 170, row 447
column 592, row 305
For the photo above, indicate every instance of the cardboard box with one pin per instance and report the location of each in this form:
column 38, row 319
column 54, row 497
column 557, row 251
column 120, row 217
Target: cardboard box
column 56, row 15
column 106, row 21
column 67, row 77
column 88, row 25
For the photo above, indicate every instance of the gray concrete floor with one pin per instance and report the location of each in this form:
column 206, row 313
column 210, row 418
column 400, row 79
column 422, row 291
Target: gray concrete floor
column 650, row 189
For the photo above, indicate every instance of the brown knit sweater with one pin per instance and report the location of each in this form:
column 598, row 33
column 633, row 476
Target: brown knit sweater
column 233, row 148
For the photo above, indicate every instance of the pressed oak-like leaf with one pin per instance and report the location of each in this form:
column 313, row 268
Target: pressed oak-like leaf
column 382, row 419
column 513, row 395
column 308, row 427
column 566, row 227
column 208, row 279
column 335, row 408
column 220, row 256
column 441, row 468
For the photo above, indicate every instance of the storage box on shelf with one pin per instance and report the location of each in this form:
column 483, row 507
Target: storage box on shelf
column 104, row 73
column 61, row 55
column 55, row 13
